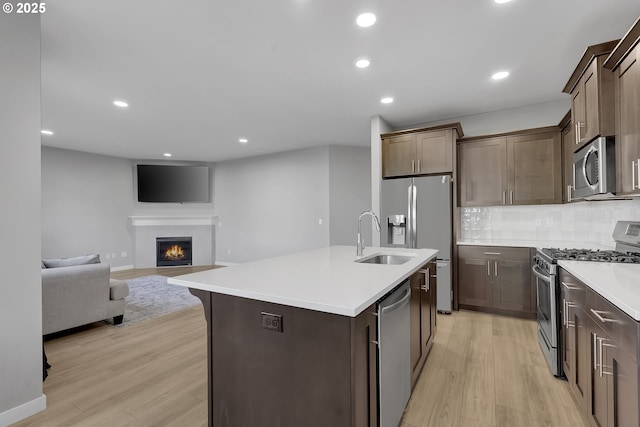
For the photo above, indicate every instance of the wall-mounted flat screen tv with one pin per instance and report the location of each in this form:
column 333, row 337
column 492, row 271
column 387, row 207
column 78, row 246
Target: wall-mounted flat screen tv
column 173, row 184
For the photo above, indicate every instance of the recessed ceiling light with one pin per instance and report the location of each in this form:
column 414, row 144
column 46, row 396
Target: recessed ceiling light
column 46, row 132
column 120, row 104
column 500, row 75
column 243, row 140
column 366, row 19
column 167, row 154
column 387, row 100
column 362, row 63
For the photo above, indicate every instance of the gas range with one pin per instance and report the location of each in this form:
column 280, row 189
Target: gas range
column 554, row 255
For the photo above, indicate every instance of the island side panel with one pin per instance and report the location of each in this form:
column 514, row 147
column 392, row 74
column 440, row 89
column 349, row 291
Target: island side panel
column 364, row 368
column 300, row 376
column 205, row 298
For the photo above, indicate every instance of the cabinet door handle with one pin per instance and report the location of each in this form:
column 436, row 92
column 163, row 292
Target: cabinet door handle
column 569, row 187
column 564, row 312
column 594, row 341
column 510, row 197
column 495, row 268
column 504, row 197
column 578, row 136
column 569, row 287
column 419, row 166
column 413, row 166
column 635, row 169
column 569, row 305
column 488, row 269
column 492, row 253
column 427, row 273
column 638, row 173
column 598, row 314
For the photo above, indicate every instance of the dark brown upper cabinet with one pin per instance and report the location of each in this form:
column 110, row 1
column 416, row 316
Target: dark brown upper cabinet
column 592, row 95
column 519, row 168
column 568, row 144
column 624, row 60
column 426, row 151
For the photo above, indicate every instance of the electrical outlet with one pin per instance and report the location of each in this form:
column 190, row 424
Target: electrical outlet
column 123, row 254
column 272, row 322
column 549, row 222
column 538, row 222
column 113, row 255
column 319, row 221
column 107, row 256
column 228, row 251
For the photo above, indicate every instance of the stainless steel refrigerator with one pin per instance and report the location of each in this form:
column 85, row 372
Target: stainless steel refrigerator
column 416, row 213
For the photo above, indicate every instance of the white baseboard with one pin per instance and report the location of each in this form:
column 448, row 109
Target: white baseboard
column 122, row 267
column 23, row 411
column 226, row 264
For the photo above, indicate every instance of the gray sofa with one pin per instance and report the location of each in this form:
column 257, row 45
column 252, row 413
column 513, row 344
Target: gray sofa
column 77, row 291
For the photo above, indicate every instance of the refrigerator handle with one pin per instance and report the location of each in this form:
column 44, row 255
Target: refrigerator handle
column 409, row 230
column 414, row 215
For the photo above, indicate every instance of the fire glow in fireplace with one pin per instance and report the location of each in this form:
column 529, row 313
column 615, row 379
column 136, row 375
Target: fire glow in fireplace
column 172, row 251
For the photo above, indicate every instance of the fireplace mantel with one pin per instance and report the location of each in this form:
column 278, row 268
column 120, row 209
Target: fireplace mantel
column 146, row 228
column 160, row 220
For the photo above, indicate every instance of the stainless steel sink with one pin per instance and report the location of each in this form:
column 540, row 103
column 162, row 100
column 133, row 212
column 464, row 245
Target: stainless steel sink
column 386, row 259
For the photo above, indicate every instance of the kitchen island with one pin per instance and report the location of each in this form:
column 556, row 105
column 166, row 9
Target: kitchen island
column 291, row 339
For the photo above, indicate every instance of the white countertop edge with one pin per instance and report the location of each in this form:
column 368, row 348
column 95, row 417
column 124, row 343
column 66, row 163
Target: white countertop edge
column 538, row 244
column 577, row 269
column 405, row 271
column 325, row 308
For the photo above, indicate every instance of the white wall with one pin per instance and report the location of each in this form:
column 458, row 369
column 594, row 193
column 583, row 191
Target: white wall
column 21, row 289
column 378, row 126
column 349, row 194
column 271, row 205
column 512, row 119
column 86, row 200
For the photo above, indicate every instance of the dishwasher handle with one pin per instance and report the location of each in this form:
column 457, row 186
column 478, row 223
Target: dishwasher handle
column 398, row 304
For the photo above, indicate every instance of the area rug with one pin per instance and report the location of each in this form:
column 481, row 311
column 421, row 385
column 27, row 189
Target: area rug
column 152, row 296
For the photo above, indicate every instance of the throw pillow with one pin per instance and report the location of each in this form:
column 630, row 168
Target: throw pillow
column 66, row 262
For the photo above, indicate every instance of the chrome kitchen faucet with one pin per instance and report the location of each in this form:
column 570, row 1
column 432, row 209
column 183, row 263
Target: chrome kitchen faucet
column 360, row 244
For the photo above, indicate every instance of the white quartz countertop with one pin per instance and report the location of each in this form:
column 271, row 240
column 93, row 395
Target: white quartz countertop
column 325, row 279
column 561, row 244
column 617, row 282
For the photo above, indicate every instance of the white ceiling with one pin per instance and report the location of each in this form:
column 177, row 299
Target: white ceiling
column 199, row 74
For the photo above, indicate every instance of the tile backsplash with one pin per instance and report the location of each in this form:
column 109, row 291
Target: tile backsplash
column 582, row 221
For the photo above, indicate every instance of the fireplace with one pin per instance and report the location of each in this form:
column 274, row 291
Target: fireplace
column 172, row 251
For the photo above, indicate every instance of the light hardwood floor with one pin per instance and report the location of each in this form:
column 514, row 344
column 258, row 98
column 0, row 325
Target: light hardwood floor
column 483, row 370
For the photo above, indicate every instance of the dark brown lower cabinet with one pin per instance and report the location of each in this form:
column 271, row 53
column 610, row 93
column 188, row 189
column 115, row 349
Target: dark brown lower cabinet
column 496, row 279
column 423, row 316
column 574, row 336
column 318, row 370
column 600, row 355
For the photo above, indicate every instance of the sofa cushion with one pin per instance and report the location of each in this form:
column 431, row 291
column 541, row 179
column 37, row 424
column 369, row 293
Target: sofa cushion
column 66, row 262
column 118, row 289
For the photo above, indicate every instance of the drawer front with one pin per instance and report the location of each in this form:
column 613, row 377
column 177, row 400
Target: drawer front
column 491, row 252
column 620, row 327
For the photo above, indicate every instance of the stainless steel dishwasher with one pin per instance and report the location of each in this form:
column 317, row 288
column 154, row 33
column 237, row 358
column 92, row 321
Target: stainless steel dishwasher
column 394, row 366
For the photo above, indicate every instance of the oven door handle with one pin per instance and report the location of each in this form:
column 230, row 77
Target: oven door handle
column 540, row 274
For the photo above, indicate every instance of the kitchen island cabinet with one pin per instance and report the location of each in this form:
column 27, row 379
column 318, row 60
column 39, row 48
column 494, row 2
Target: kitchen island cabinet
column 496, row 279
column 290, row 348
column 423, row 317
column 518, row 168
column 624, row 60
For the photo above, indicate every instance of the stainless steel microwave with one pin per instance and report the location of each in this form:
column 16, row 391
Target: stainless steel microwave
column 594, row 169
